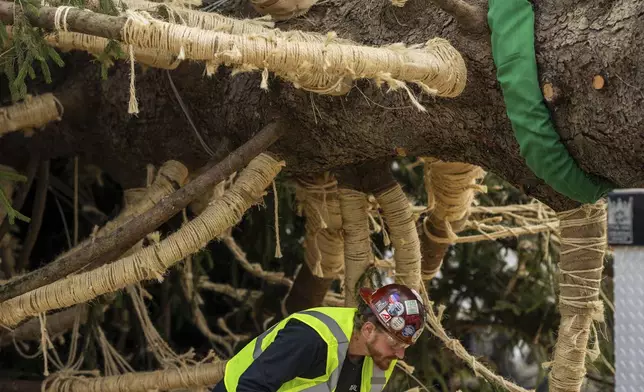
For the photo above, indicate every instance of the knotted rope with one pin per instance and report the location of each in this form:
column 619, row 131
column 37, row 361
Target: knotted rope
column 318, row 202
column 583, row 244
column 451, row 188
column 32, row 112
column 357, row 243
column 151, row 262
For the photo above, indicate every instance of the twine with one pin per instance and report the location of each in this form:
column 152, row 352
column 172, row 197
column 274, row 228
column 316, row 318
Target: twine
column 433, row 325
column 451, row 188
column 67, row 41
column 196, row 376
column 151, row 262
column 583, row 244
column 139, row 200
column 318, row 202
column 357, row 242
column 436, row 66
column 403, row 234
column 276, row 216
column 32, row 112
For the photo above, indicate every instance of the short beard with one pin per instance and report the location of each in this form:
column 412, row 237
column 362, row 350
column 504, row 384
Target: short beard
column 380, row 361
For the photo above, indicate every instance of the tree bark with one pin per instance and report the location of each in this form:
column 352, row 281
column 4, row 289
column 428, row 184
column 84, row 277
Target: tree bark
column 574, row 42
column 308, row 291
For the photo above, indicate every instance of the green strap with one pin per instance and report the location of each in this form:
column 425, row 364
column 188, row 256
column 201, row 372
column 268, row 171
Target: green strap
column 512, row 26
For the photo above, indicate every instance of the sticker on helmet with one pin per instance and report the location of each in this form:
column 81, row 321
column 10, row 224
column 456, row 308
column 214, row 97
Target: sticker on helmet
column 397, row 323
column 395, row 309
column 393, row 298
column 416, row 335
column 412, row 306
column 408, row 331
column 381, row 304
column 385, row 316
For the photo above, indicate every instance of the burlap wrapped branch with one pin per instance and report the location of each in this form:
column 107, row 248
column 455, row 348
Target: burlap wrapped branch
column 67, row 41
column 202, row 20
column 283, row 9
column 139, row 200
column 357, row 242
column 151, row 262
column 451, row 187
column 322, row 67
column 583, row 244
column 196, row 376
column 399, row 218
column 32, row 112
column 323, row 244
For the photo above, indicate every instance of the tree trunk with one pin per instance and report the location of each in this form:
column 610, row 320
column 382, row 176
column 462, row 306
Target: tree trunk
column 574, row 42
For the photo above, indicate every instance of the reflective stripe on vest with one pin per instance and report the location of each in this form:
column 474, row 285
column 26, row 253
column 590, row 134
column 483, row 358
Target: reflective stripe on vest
column 343, row 347
column 378, row 379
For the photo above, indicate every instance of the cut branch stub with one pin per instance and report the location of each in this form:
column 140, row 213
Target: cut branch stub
column 151, row 262
column 32, row 112
column 450, row 190
column 583, row 244
column 357, row 242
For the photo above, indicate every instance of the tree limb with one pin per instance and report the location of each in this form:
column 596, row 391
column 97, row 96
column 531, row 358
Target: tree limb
column 112, row 246
column 36, row 216
column 80, row 21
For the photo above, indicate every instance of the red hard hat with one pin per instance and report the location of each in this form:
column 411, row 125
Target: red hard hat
column 399, row 309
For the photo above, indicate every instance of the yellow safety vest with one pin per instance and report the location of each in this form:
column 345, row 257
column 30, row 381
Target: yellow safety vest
column 335, row 326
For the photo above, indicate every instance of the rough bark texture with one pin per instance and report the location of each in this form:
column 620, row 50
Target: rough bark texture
column 575, row 41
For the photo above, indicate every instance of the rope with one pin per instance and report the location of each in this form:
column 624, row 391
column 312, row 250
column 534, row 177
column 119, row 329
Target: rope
column 357, row 242
column 403, row 234
column 436, row 66
column 434, row 326
column 32, row 112
column 583, row 244
column 318, row 202
column 152, row 261
column 196, row 376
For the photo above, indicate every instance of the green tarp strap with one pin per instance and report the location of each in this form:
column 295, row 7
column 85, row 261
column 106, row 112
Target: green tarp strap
column 512, row 26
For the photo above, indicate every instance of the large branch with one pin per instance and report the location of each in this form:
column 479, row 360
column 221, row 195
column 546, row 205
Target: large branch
column 366, row 124
column 111, row 246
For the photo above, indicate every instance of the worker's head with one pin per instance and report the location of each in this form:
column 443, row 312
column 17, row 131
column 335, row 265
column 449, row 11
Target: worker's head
column 390, row 320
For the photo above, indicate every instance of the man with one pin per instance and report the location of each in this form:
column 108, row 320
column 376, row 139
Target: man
column 327, row 349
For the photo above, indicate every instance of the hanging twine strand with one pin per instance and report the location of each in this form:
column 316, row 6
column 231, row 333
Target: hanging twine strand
column 151, row 262
column 583, row 244
column 357, row 243
column 318, row 202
